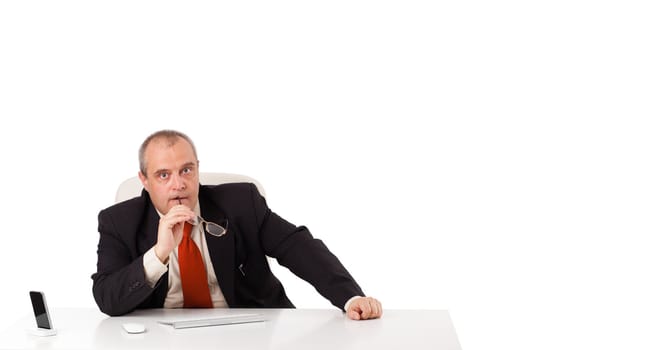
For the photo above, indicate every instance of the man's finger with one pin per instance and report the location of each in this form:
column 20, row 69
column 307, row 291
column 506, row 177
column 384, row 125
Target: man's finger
column 373, row 307
column 364, row 308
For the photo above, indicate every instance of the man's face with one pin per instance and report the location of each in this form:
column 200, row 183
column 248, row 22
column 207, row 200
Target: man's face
column 172, row 174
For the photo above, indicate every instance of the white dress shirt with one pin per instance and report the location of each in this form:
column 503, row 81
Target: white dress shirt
column 154, row 269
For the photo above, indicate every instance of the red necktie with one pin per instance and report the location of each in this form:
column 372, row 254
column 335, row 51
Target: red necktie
column 193, row 272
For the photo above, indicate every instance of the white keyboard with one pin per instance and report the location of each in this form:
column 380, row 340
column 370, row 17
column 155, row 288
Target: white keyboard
column 214, row 321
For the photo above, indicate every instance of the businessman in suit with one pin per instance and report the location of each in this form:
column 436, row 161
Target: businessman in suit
column 182, row 244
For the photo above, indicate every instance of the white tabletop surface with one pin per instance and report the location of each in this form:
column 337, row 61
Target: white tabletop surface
column 283, row 329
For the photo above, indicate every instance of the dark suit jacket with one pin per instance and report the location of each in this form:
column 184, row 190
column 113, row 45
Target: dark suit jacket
column 129, row 229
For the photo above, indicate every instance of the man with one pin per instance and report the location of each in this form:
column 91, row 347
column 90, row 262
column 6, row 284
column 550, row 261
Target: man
column 182, row 244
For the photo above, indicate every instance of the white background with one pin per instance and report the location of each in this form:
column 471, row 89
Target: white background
column 497, row 159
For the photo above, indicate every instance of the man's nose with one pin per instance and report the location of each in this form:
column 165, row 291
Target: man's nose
column 177, row 182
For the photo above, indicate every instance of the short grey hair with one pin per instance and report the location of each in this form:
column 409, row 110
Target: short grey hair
column 170, row 136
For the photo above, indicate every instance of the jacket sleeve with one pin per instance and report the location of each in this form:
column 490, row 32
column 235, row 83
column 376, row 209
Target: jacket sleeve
column 119, row 285
column 305, row 256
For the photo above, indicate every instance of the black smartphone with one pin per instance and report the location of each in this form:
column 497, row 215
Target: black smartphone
column 40, row 310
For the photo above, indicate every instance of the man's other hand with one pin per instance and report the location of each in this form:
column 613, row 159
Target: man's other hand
column 364, row 308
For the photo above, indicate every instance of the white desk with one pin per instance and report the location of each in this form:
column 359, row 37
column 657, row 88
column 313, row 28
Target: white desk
column 283, row 329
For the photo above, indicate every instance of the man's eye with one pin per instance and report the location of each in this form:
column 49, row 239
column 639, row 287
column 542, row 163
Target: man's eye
column 186, row 170
column 163, row 175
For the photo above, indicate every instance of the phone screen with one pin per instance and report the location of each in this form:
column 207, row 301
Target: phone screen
column 40, row 310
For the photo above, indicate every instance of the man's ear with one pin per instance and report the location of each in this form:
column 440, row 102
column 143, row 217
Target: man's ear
column 144, row 180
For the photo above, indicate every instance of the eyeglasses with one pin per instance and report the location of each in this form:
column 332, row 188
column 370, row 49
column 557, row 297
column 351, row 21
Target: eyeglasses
column 213, row 228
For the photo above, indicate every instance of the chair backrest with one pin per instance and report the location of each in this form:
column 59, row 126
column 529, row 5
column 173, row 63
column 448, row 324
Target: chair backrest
column 133, row 187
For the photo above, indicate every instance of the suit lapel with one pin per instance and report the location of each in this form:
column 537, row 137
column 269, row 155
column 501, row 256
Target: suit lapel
column 221, row 249
column 147, row 238
column 148, row 235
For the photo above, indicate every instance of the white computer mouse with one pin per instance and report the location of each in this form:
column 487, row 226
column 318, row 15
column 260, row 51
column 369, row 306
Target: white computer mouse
column 133, row 328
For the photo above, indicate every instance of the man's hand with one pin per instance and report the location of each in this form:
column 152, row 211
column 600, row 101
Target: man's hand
column 170, row 230
column 364, row 308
